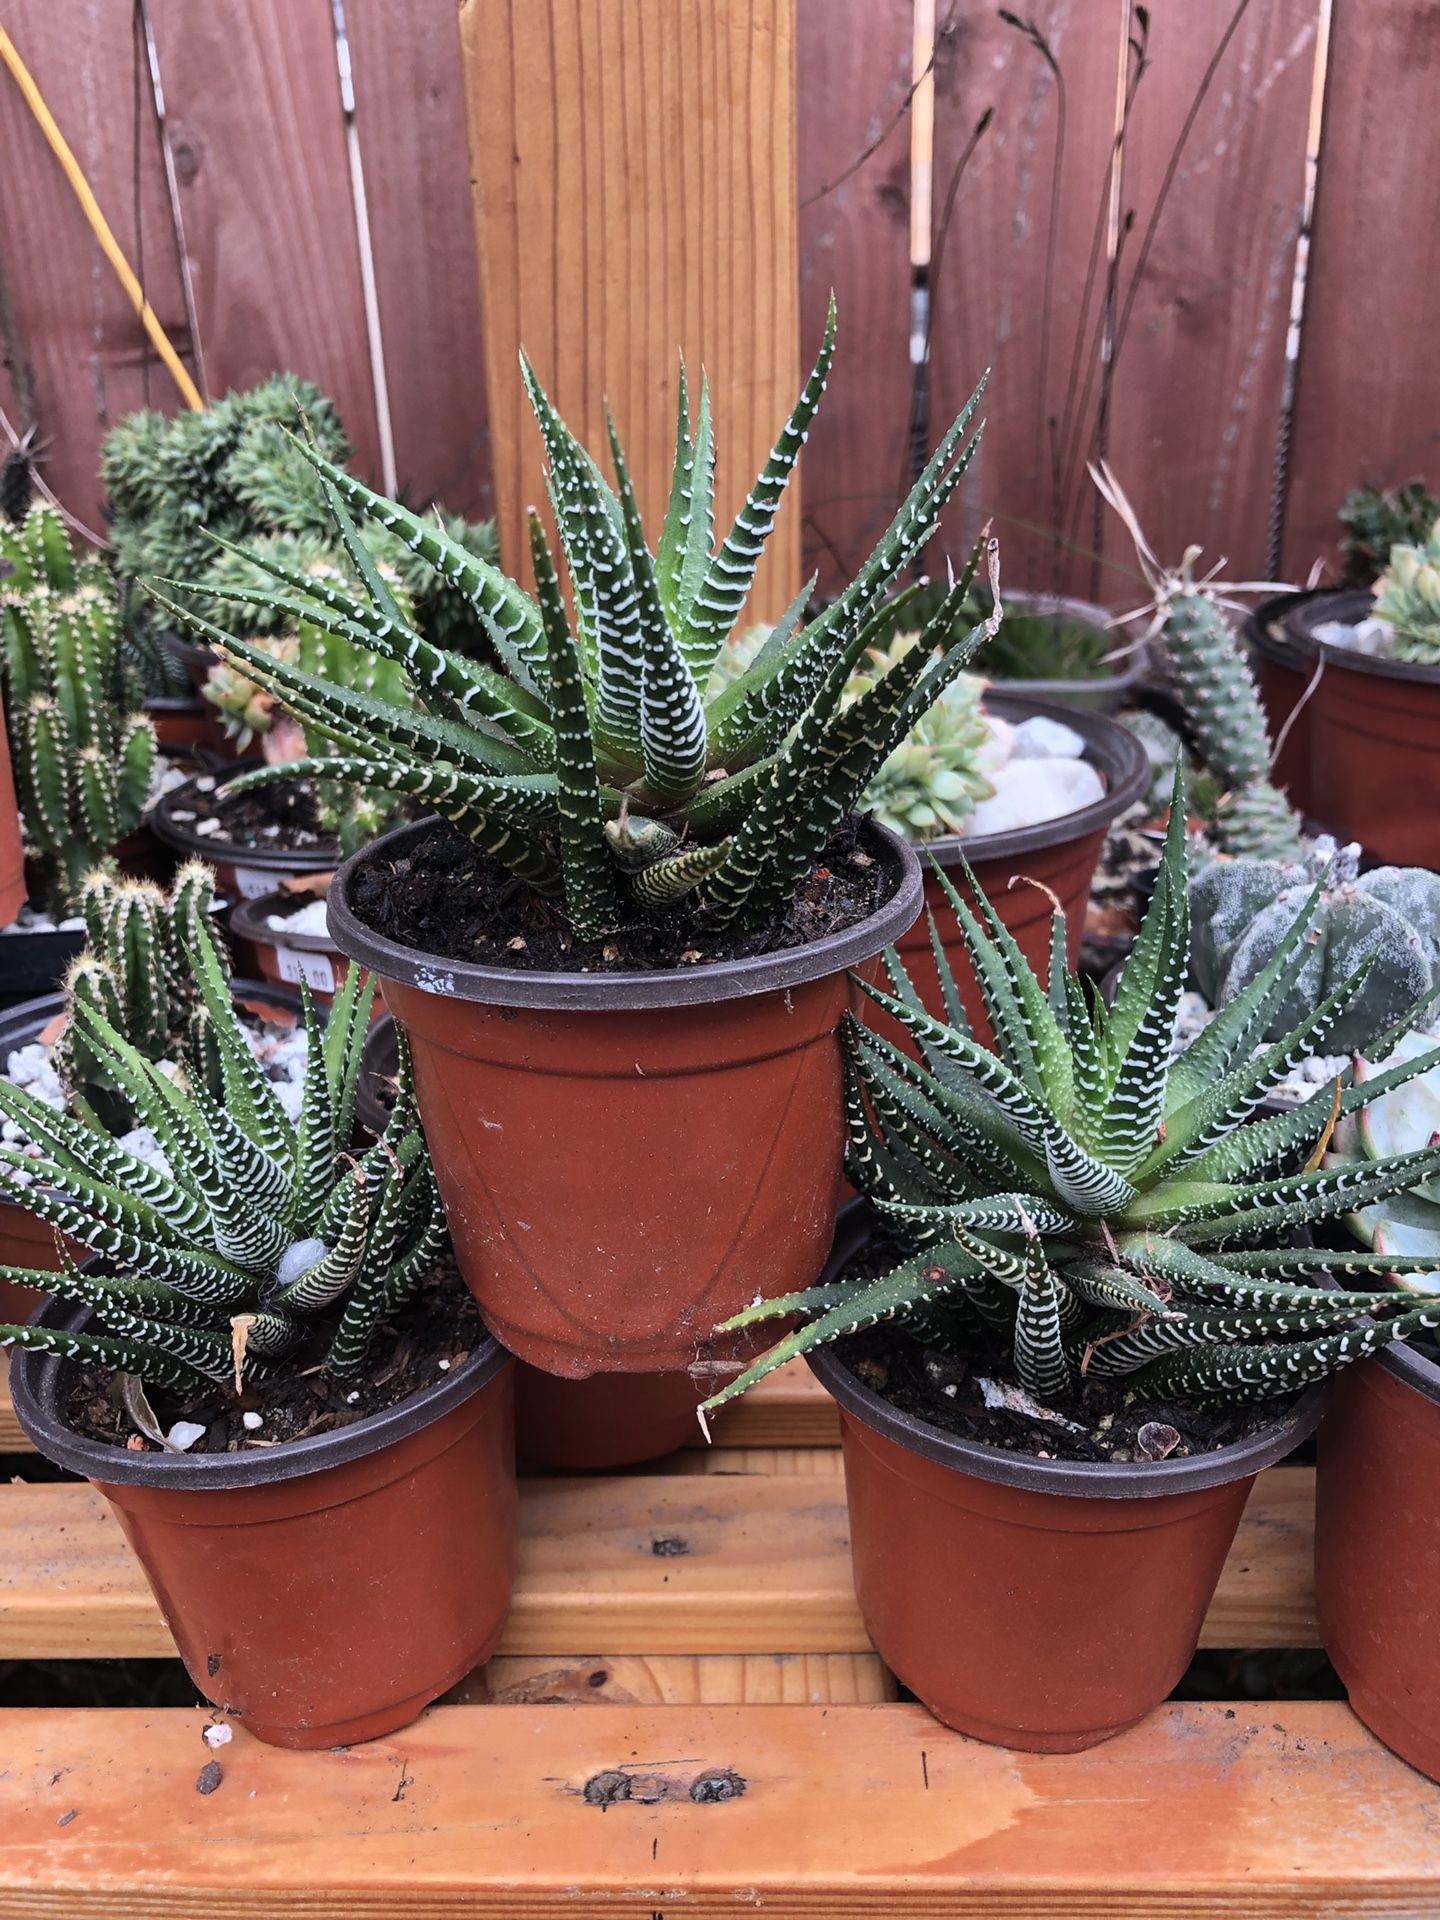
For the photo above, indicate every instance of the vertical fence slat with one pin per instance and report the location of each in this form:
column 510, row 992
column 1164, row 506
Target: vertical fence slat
column 1199, row 378
column 410, row 120
column 854, row 68
column 254, row 104
column 70, row 324
column 990, row 281
column 1368, row 404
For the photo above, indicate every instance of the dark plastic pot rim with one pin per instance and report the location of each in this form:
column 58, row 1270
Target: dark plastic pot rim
column 38, row 1382
column 1093, row 1480
column 1108, row 745
column 188, row 652
column 625, row 992
column 1350, row 605
column 248, row 920
column 1260, row 625
column 234, row 853
column 1415, row 1370
column 1111, row 685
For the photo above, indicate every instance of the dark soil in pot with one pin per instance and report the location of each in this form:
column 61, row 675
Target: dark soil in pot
column 1035, row 1602
column 253, row 840
column 627, row 1158
column 323, row 1591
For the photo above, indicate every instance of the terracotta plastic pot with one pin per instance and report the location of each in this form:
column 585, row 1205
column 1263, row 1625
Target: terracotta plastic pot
column 326, row 1591
column 288, row 957
column 244, row 872
column 12, row 852
column 1377, row 1548
column 189, row 726
column 1059, row 856
column 1033, row 1603
column 627, row 1159
column 1106, row 691
column 610, row 1420
column 1374, row 740
column 1282, row 673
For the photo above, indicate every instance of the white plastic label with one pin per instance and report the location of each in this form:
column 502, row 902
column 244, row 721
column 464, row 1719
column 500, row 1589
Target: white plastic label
column 251, row 882
column 315, row 969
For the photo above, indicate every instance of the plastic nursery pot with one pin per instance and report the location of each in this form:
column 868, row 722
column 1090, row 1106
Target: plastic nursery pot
column 289, row 957
column 628, row 1159
column 1033, row 1603
column 188, row 726
column 1059, row 856
column 1107, row 690
column 1377, row 1547
column 196, row 660
column 609, row 1420
column 1283, row 672
column 1374, row 739
column 325, row 1591
column 245, row 872
column 379, row 1061
column 12, row 852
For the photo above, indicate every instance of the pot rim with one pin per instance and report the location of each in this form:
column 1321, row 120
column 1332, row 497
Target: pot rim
column 247, row 919
column 1118, row 678
column 1116, row 751
column 1100, row 1479
column 1266, row 629
column 1412, row 1369
column 188, row 652
column 1346, row 604
column 369, row 1110
column 626, row 991
column 215, row 850
column 37, row 1381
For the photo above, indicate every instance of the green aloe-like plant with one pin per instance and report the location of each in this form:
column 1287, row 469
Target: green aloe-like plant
column 595, row 767
column 1101, row 1210
column 257, row 1233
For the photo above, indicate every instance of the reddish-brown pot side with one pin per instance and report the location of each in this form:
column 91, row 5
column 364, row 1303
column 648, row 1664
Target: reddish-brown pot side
column 27, row 1242
column 618, row 1183
column 1375, row 743
column 186, row 726
column 12, row 852
column 1377, row 1549
column 1034, row 1620
column 332, row 1608
column 609, row 1420
column 285, row 959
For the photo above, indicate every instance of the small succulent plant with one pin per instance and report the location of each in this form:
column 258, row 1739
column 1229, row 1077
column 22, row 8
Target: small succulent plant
column 595, row 767
column 136, row 974
column 1243, row 911
column 1407, row 598
column 931, row 783
column 1102, row 1211
column 254, row 1233
column 1377, row 519
column 1404, row 1226
column 83, row 762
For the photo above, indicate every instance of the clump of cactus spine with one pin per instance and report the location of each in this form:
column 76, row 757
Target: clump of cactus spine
column 1407, row 598
column 83, row 762
column 595, row 768
column 259, row 1237
column 1377, row 519
column 136, row 974
column 1096, row 1210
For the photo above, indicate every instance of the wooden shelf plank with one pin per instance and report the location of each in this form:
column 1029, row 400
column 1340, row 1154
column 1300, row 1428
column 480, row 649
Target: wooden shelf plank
column 680, row 1680
column 1281, row 1810
column 753, row 1563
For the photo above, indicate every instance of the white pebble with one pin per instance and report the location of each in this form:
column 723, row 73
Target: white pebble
column 183, row 1435
column 444, row 1365
column 297, row 1259
column 251, row 1422
column 1039, row 738
column 310, row 920
column 1028, row 792
column 217, row 1736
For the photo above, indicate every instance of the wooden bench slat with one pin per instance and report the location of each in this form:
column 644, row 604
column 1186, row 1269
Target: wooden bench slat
column 1276, row 1810
column 680, row 1680
column 765, row 1569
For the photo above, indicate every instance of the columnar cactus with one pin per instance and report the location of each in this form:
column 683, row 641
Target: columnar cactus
column 1407, row 597
column 83, row 763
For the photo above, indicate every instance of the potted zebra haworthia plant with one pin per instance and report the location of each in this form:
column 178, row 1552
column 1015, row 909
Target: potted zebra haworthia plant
column 636, row 920
column 273, row 1375
column 1079, row 1319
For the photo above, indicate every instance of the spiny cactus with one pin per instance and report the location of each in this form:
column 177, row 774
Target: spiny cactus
column 1243, row 911
column 595, row 768
column 136, row 974
column 1404, row 1225
column 83, row 763
column 1094, row 1211
column 1407, row 597
column 932, row 782
column 255, row 1234
column 1376, row 519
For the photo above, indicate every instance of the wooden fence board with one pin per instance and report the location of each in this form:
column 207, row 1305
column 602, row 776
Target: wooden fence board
column 1282, row 1810
column 854, row 67
column 759, row 1557
column 1368, row 405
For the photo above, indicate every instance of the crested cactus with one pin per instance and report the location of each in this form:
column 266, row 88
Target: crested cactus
column 595, row 768
column 255, row 1234
column 136, row 974
column 1243, row 911
column 931, row 783
column 1087, row 1208
column 1407, row 598
column 83, row 762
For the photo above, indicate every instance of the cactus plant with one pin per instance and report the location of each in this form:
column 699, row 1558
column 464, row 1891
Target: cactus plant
column 256, row 1234
column 1407, row 598
column 1243, row 911
column 1095, row 1210
column 595, row 768
column 1377, row 519
column 931, row 783
column 83, row 763
column 136, row 973
column 1404, row 1226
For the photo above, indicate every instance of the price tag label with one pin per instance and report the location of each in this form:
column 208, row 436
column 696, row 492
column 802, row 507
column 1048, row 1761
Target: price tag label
column 251, row 882
column 317, row 970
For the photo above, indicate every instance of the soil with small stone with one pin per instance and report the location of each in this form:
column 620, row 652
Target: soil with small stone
column 284, row 818
column 434, row 1333
column 940, row 1386
column 448, row 898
